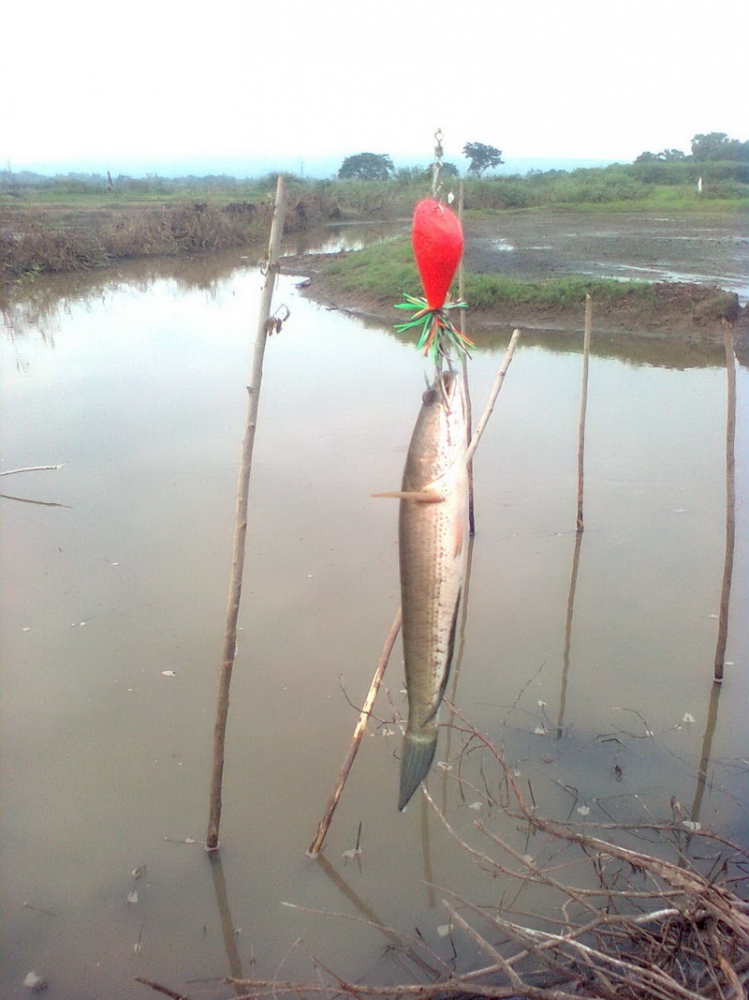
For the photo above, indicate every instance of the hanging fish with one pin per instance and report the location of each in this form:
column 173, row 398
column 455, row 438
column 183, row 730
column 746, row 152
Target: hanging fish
column 433, row 541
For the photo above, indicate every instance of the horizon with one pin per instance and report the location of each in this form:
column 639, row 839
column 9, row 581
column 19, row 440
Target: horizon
column 241, row 169
column 233, row 83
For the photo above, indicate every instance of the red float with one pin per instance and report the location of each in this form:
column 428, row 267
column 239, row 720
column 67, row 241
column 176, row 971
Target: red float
column 437, row 238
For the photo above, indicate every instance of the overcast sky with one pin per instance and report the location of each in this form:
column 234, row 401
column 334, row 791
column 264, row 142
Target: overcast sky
column 145, row 80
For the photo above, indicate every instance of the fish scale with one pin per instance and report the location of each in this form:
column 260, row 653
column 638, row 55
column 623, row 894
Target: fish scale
column 433, row 536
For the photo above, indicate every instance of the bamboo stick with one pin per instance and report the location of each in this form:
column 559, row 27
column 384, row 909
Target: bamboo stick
column 583, row 409
column 464, row 362
column 481, row 425
column 240, row 528
column 322, row 829
column 725, row 592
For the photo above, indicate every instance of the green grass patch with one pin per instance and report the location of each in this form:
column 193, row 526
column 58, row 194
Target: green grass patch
column 385, row 271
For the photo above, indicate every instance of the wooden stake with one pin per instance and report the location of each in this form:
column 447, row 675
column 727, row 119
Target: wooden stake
column 466, row 387
column 481, row 425
column 240, row 528
column 583, row 408
column 322, row 829
column 725, row 593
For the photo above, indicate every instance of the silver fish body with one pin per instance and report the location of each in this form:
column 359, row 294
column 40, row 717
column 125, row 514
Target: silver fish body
column 433, row 537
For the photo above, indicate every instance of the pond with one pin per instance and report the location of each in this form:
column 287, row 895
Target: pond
column 115, row 602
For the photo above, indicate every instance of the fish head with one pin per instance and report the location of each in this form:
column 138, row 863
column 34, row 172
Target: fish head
column 446, row 392
column 439, row 439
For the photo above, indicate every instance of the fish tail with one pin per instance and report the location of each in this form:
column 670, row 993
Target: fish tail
column 417, row 755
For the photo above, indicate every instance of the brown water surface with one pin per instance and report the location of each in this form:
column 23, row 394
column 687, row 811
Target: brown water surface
column 114, row 607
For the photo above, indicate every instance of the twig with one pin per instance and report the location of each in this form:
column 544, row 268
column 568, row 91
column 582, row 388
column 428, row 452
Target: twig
column 322, row 829
column 464, row 365
column 32, row 468
column 725, row 593
column 41, row 503
column 583, row 408
column 161, row 989
column 480, row 426
column 240, row 528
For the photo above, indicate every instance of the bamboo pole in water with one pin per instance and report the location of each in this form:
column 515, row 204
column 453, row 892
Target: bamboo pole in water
column 240, row 525
column 316, row 846
column 725, row 594
column 583, row 408
column 464, row 363
column 499, row 379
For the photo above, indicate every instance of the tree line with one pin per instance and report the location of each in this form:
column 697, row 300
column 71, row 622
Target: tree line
column 705, row 147
column 379, row 166
column 715, row 147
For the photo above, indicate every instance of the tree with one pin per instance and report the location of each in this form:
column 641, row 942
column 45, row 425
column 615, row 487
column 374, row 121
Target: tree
column 366, row 167
column 424, row 174
column 482, row 157
column 665, row 156
column 717, row 146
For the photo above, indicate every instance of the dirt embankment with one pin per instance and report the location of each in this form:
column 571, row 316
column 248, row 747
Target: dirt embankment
column 698, row 266
column 51, row 239
column 675, row 310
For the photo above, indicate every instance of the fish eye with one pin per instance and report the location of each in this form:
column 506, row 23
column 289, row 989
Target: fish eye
column 429, row 397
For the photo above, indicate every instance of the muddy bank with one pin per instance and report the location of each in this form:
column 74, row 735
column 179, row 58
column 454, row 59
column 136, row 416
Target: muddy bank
column 704, row 249
column 698, row 265
column 680, row 312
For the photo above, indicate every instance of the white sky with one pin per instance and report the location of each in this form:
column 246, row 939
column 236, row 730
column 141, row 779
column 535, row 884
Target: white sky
column 147, row 80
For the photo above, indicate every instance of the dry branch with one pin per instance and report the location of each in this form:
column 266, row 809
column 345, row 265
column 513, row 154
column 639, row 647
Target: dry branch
column 662, row 929
column 322, row 829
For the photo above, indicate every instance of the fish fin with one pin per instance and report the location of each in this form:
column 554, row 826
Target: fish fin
column 417, row 756
column 459, row 538
column 420, row 496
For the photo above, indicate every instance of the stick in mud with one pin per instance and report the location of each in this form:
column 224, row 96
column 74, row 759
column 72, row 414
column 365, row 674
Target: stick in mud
column 481, row 425
column 464, row 365
column 725, row 593
column 583, row 409
column 322, row 829
column 316, row 846
column 240, row 528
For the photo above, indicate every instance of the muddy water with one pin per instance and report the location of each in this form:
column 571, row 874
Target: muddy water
column 706, row 249
column 114, row 605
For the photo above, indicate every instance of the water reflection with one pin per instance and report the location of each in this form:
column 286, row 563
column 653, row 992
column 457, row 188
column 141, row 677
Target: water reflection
column 229, row 929
column 38, row 307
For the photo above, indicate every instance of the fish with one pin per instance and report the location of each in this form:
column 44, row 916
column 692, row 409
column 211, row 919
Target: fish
column 433, row 545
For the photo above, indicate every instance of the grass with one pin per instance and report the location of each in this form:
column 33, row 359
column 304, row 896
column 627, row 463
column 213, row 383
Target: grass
column 385, row 271
column 653, row 185
column 31, row 244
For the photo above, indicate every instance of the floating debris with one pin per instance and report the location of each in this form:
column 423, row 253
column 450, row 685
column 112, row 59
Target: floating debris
column 35, row 982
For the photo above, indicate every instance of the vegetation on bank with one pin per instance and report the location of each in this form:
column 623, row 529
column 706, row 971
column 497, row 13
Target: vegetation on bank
column 651, row 182
column 82, row 221
column 378, row 276
column 385, row 271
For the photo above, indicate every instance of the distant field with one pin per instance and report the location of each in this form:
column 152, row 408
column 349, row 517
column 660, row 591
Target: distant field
column 72, row 223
